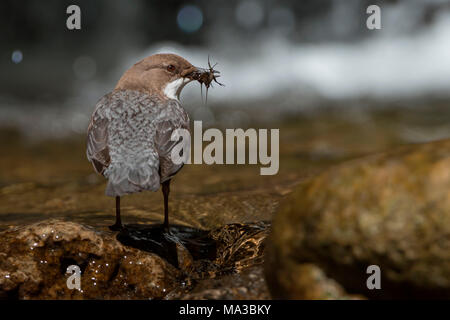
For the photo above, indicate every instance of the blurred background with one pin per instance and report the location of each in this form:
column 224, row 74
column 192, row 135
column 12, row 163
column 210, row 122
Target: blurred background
column 284, row 57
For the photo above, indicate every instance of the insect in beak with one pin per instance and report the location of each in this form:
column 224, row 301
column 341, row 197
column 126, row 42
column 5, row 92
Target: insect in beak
column 206, row 77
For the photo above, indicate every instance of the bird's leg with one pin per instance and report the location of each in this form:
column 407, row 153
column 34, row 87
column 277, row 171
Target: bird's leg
column 118, row 225
column 166, row 190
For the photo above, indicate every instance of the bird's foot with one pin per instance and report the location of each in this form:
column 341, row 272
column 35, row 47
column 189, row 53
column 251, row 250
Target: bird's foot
column 116, row 227
column 167, row 229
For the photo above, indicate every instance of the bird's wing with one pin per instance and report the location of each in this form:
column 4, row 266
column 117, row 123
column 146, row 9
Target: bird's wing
column 174, row 117
column 97, row 137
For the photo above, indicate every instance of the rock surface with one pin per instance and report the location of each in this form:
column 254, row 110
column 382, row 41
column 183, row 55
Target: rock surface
column 390, row 210
column 306, row 281
column 34, row 260
column 246, row 285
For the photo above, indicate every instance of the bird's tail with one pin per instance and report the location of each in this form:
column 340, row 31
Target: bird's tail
column 124, row 179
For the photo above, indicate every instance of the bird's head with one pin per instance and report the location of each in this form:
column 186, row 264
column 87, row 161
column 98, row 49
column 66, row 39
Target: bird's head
column 162, row 74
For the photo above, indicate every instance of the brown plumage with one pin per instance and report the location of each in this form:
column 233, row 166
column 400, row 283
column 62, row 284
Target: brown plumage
column 128, row 139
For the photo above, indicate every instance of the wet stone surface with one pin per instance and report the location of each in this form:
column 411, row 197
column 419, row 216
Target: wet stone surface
column 125, row 265
column 180, row 247
column 35, row 259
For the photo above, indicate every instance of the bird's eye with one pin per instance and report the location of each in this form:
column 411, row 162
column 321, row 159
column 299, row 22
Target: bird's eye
column 171, row 68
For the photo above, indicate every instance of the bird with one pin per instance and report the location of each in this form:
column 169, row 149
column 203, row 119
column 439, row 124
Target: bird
column 129, row 133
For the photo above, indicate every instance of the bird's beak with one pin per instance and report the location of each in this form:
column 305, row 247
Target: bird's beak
column 196, row 73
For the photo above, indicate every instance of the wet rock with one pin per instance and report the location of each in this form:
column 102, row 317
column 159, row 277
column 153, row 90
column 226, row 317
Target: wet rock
column 34, row 259
column 140, row 262
column 224, row 263
column 248, row 284
column 179, row 247
column 390, row 210
column 240, row 246
column 307, row 281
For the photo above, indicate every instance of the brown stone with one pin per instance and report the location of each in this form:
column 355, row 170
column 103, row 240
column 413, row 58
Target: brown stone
column 390, row 209
column 138, row 263
column 34, row 260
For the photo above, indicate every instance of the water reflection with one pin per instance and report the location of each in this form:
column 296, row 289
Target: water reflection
column 155, row 239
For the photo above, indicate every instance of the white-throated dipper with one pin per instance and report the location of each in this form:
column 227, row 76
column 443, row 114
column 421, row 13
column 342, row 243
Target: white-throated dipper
column 129, row 135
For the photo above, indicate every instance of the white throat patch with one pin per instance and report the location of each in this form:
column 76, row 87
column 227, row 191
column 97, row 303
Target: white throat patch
column 173, row 89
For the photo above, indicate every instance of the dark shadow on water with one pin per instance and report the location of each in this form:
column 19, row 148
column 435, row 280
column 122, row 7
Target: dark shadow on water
column 155, row 239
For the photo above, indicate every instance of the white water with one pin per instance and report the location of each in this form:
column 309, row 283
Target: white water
column 384, row 66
